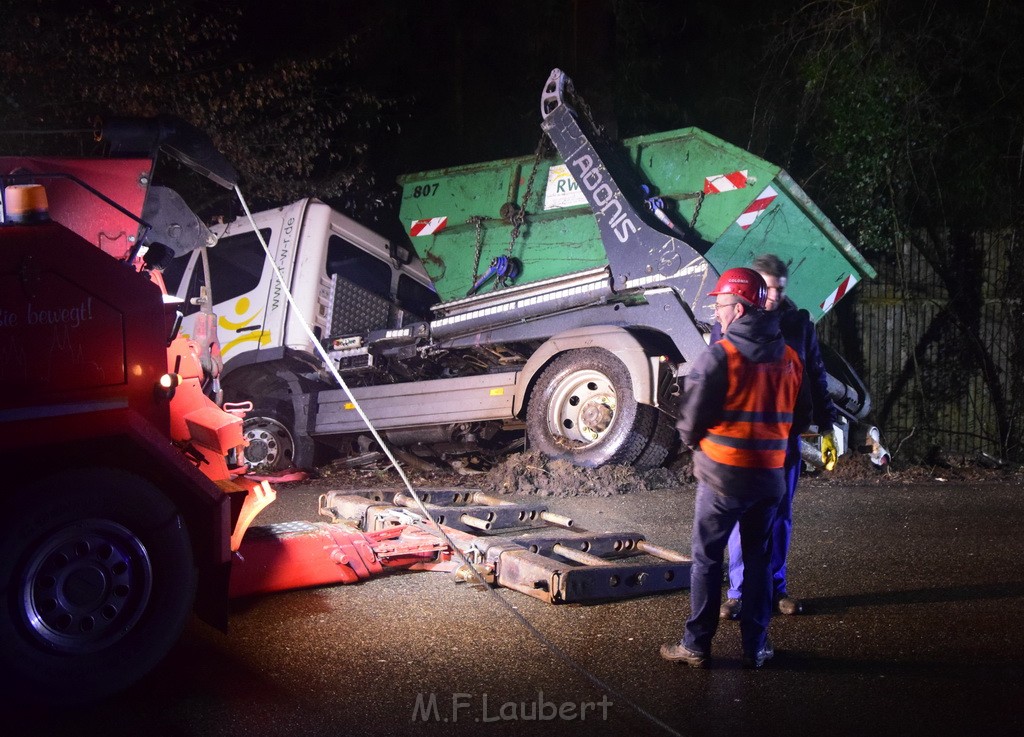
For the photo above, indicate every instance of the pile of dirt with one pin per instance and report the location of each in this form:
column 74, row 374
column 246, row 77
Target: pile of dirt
column 531, row 473
column 339, row 476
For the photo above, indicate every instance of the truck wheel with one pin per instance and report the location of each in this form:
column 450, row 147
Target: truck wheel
column 275, row 444
column 97, row 581
column 582, row 410
column 271, row 447
column 662, row 440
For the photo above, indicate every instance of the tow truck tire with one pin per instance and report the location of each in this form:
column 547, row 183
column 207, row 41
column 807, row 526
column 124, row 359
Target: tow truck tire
column 97, row 580
column 582, row 410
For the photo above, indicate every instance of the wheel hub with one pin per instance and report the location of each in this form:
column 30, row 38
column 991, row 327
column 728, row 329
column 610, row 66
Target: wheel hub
column 86, row 586
column 582, row 407
column 261, row 447
column 270, row 444
column 596, row 416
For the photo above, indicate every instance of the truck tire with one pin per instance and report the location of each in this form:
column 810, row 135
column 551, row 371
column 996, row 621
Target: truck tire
column 271, row 447
column 275, row 442
column 582, row 410
column 663, row 439
column 97, row 582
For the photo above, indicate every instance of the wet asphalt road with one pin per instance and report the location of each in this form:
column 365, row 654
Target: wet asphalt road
column 915, row 597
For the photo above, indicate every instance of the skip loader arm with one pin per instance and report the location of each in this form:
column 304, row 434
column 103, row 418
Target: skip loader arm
column 639, row 255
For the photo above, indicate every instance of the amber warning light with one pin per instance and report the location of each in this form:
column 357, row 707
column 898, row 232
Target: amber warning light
column 25, row 203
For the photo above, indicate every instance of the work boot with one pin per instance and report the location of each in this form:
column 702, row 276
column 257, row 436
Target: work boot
column 678, row 652
column 788, row 605
column 730, row 609
column 759, row 658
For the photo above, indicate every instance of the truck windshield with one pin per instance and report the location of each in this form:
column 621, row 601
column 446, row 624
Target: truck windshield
column 236, row 265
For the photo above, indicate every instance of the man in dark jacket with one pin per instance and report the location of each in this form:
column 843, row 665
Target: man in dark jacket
column 738, row 405
column 799, row 333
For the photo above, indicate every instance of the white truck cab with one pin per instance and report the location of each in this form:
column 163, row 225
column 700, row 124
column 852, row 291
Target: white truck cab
column 345, row 279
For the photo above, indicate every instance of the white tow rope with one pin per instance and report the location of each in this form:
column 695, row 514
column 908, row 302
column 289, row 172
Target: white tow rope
column 540, row 637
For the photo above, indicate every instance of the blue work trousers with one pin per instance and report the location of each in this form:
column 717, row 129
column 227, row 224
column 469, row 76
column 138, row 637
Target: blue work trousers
column 714, row 517
column 782, row 532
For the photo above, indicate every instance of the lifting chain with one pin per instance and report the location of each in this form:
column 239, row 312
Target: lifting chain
column 477, row 221
column 505, row 266
column 581, row 105
column 696, row 210
column 517, row 216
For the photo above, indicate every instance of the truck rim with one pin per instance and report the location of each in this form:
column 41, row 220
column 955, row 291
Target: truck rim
column 582, row 407
column 270, row 443
column 86, row 586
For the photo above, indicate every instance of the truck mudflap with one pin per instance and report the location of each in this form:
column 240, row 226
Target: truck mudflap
column 547, row 557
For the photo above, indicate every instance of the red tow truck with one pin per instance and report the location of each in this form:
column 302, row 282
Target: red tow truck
column 122, row 499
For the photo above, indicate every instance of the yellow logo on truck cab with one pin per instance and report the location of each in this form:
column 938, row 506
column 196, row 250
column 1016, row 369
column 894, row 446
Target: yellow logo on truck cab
column 241, row 307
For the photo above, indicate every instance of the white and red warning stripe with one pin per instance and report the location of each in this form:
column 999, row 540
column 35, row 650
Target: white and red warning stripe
column 841, row 290
column 725, row 182
column 428, row 226
column 748, row 216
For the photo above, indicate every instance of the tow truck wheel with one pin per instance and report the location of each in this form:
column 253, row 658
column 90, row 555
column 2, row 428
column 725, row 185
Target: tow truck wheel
column 582, row 410
column 97, row 579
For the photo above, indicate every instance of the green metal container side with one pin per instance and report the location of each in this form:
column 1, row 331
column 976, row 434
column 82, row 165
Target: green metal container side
column 679, row 164
column 744, row 206
column 550, row 242
column 823, row 264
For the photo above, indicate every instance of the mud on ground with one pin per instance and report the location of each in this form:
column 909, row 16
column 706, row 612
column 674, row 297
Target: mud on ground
column 524, row 474
column 531, row 474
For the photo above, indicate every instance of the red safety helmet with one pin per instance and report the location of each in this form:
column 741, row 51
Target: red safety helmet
column 742, row 282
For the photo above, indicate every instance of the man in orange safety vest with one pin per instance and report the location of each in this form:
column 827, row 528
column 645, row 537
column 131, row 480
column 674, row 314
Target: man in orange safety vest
column 740, row 400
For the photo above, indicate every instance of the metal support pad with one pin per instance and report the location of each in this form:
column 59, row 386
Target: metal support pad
column 553, row 562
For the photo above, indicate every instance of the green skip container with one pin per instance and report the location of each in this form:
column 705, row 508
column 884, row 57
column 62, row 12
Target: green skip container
column 726, row 203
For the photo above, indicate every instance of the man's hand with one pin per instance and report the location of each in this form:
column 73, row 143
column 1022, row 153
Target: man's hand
column 829, row 456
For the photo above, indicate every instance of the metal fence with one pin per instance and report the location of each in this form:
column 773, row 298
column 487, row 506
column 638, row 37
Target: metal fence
column 938, row 339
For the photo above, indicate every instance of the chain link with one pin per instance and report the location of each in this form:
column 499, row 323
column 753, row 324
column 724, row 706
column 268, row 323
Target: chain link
column 581, row 105
column 696, row 210
column 477, row 221
column 518, row 214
